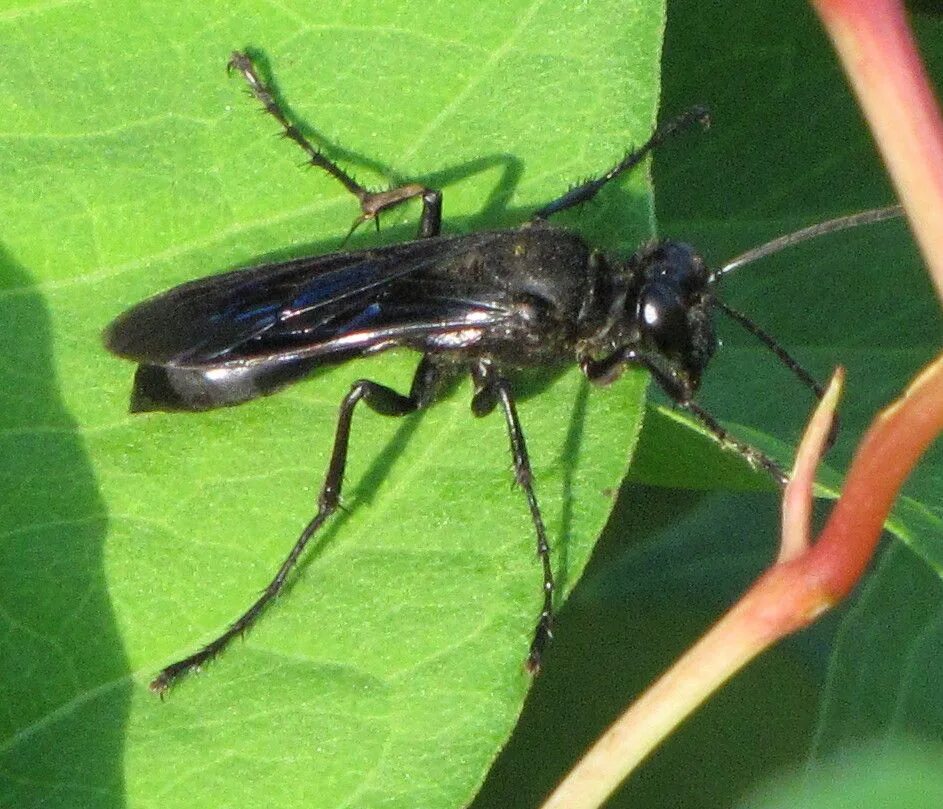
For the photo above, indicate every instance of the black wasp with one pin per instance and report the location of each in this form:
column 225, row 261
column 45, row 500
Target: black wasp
column 536, row 295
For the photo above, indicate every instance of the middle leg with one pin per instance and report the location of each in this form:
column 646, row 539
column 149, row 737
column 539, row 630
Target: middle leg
column 491, row 389
column 586, row 191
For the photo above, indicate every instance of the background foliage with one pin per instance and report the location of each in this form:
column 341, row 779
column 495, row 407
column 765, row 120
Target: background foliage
column 787, row 148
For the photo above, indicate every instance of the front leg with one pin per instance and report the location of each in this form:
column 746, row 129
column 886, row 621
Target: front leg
column 679, row 389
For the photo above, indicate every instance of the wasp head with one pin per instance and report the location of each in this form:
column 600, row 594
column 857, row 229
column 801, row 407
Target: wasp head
column 668, row 306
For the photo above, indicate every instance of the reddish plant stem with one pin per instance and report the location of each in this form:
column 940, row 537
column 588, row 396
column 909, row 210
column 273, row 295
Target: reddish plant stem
column 876, row 47
column 879, row 55
column 788, row 597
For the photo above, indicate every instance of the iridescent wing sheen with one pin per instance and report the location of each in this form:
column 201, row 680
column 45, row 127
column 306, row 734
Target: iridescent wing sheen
column 344, row 303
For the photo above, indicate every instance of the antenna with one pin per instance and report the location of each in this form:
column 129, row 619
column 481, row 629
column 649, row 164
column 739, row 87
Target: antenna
column 810, row 232
column 774, row 246
column 767, row 339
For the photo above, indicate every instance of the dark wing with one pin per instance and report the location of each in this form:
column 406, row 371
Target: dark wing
column 340, row 303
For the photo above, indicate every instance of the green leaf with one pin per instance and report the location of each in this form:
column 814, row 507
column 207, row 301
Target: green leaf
column 897, row 772
column 391, row 672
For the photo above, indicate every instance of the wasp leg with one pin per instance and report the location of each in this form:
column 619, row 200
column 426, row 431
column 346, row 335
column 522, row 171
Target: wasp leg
column 491, row 389
column 605, row 370
column 586, row 191
column 372, row 203
column 378, row 398
column 756, row 458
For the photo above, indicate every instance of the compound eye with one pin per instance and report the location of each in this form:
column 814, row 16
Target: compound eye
column 681, row 267
column 662, row 317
